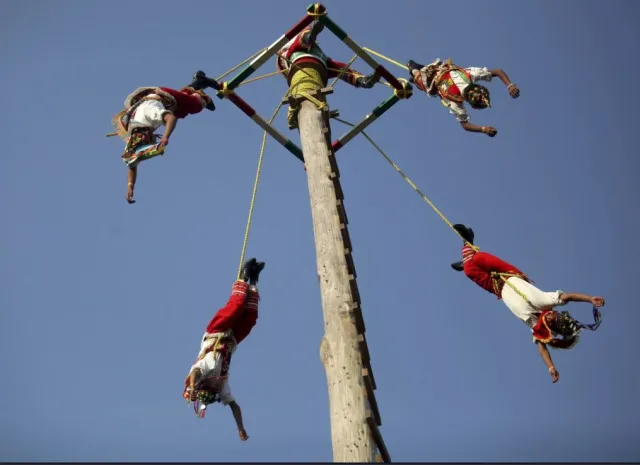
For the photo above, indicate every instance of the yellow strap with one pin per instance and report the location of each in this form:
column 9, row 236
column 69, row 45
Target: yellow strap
column 255, row 191
column 505, row 277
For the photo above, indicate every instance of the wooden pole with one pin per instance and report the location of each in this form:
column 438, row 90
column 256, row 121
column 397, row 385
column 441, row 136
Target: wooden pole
column 348, row 404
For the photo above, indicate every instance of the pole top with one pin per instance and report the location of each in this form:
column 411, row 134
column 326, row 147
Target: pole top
column 316, row 9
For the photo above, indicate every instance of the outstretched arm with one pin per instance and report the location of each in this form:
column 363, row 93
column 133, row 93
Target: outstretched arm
column 546, row 357
column 576, row 297
column 513, row 89
column 237, row 416
column 132, row 176
column 488, row 130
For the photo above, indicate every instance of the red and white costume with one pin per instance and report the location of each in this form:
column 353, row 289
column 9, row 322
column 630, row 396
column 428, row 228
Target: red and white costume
column 450, row 81
column 146, row 107
column 478, row 267
column 296, row 51
column 228, row 328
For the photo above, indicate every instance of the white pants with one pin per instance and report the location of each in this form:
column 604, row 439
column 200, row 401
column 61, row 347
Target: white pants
column 538, row 300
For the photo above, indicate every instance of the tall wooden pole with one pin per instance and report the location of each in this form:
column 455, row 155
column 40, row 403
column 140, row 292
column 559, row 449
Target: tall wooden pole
column 348, row 404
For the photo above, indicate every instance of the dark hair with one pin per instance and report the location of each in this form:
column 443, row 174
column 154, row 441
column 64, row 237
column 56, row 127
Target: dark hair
column 564, row 343
column 477, row 96
column 567, row 327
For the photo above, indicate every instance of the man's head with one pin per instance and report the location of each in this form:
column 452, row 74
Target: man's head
column 552, row 324
column 562, row 323
column 206, row 397
column 477, row 96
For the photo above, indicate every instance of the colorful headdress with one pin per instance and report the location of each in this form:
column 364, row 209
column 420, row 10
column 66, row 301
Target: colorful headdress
column 564, row 325
column 477, row 96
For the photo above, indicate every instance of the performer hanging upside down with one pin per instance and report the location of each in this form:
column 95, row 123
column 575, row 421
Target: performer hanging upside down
column 456, row 85
column 145, row 110
column 208, row 379
column 528, row 303
column 303, row 49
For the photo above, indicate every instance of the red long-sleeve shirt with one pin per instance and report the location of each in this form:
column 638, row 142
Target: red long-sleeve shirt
column 479, row 265
column 186, row 103
column 240, row 314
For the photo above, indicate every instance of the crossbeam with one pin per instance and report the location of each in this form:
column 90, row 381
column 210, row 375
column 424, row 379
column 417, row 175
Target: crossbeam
column 349, row 42
column 402, row 90
column 362, row 125
column 261, row 59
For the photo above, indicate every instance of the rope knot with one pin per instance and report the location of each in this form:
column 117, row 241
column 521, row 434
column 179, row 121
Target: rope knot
column 407, row 89
column 225, row 91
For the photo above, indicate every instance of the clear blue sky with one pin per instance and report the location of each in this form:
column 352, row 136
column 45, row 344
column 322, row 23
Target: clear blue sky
column 103, row 304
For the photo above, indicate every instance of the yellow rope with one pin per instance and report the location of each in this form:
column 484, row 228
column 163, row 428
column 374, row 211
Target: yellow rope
column 304, row 82
column 494, row 274
column 343, row 71
column 255, row 191
column 239, row 65
column 264, row 76
column 380, row 55
column 409, row 181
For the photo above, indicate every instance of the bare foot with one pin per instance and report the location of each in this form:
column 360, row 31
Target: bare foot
column 243, row 435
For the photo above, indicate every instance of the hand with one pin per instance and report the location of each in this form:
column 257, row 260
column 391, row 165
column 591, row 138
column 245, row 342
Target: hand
column 193, row 394
column 243, row 434
column 130, row 194
column 555, row 376
column 489, row 131
column 597, row 301
column 163, row 142
column 514, row 91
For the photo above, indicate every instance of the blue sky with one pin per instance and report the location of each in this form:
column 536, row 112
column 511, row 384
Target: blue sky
column 103, row 303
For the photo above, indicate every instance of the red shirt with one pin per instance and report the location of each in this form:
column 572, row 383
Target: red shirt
column 479, row 266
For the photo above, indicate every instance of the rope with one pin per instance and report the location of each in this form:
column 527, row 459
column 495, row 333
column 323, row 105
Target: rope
column 343, row 71
column 410, row 182
column 494, row 274
column 264, row 76
column 255, row 191
column 390, row 60
column 302, row 84
column 239, row 65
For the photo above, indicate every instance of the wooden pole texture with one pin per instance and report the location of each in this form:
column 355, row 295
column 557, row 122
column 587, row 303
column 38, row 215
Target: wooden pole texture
column 340, row 353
